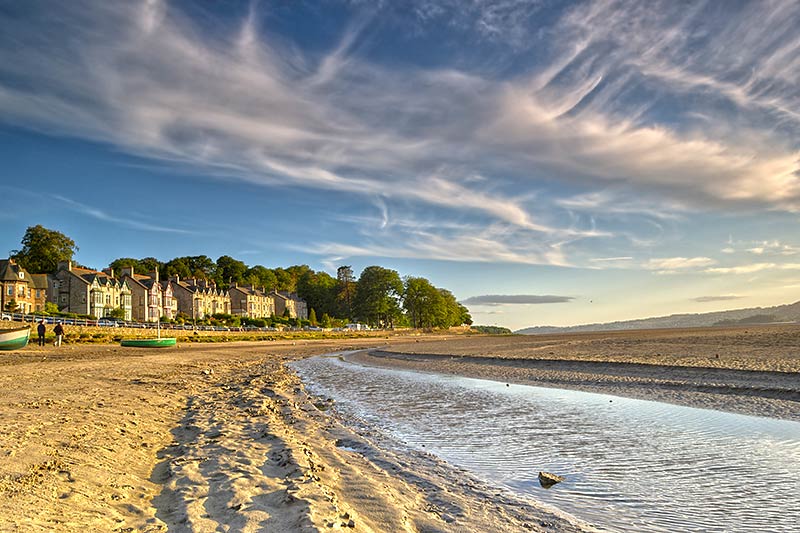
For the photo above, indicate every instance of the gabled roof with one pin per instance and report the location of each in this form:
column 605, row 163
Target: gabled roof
column 9, row 271
column 40, row 281
column 136, row 278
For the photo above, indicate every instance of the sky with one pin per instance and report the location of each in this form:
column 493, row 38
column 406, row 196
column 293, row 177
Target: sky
column 549, row 162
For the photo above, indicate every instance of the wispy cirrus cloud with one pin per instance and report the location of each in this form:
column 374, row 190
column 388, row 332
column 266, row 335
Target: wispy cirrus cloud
column 752, row 268
column 674, row 264
column 100, row 214
column 516, row 299
column 460, row 138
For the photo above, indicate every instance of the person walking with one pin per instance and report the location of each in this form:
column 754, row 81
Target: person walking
column 59, row 331
column 41, row 330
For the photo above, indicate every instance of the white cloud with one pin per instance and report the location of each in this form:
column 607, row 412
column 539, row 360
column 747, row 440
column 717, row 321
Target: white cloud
column 751, row 268
column 238, row 102
column 669, row 264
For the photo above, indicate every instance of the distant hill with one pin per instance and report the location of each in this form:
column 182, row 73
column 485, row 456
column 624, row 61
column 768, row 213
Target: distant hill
column 751, row 316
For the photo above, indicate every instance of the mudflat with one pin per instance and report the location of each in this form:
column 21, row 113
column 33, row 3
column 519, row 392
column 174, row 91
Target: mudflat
column 752, row 370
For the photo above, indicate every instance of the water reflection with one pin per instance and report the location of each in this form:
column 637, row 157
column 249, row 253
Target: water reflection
column 628, row 465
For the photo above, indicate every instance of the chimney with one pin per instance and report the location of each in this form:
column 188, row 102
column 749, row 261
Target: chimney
column 175, row 279
column 109, row 272
column 127, row 271
column 154, row 275
column 65, row 265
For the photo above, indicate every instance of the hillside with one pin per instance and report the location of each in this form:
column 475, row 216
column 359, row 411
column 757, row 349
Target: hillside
column 753, row 315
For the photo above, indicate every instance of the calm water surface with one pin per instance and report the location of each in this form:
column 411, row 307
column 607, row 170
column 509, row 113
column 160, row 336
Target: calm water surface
column 630, row 465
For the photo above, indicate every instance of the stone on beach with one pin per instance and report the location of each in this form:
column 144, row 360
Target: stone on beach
column 547, row 480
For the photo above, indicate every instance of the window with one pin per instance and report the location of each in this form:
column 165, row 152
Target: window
column 38, row 294
column 10, row 290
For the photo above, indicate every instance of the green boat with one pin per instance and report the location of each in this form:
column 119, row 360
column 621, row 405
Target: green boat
column 14, row 339
column 163, row 342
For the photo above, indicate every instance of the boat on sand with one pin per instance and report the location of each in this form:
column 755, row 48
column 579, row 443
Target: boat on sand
column 14, row 339
column 162, row 342
column 158, row 342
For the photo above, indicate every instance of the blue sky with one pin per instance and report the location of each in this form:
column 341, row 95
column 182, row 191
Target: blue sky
column 549, row 162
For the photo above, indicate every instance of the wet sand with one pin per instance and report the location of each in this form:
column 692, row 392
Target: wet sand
column 754, row 370
column 214, row 438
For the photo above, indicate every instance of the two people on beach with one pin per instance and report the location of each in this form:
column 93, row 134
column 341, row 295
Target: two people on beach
column 41, row 329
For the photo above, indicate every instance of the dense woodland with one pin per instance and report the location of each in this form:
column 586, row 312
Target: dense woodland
column 379, row 297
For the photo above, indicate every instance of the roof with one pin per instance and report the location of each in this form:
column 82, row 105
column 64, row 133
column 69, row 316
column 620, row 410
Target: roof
column 40, row 281
column 9, row 271
column 135, row 279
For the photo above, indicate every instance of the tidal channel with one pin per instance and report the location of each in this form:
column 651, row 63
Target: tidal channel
column 629, row 465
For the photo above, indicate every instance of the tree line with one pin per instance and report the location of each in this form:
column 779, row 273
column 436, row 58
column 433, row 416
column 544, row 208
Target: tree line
column 379, row 297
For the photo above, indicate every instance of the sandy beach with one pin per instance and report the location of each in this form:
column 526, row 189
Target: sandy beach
column 222, row 437
column 213, row 438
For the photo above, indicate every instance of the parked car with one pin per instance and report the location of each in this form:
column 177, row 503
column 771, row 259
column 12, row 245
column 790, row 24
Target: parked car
column 108, row 322
column 6, row 316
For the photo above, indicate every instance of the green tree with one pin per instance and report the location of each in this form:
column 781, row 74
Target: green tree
column 177, row 267
column 319, row 290
column 42, row 249
column 124, row 262
column 116, row 313
column 261, row 276
column 50, row 308
column 11, row 305
column 229, row 270
column 312, row 317
column 284, row 280
column 429, row 307
column 326, row 321
column 377, row 296
column 190, row 266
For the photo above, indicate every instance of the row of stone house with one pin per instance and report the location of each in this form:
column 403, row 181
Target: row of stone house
column 28, row 292
column 142, row 297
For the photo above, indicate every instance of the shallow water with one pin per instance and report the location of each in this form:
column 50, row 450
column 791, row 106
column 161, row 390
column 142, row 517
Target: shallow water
column 630, row 465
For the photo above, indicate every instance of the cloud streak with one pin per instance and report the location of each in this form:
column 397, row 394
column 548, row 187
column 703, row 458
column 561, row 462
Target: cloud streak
column 516, row 299
column 720, row 298
column 99, row 214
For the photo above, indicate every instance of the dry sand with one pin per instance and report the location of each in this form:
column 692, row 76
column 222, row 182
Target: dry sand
column 214, row 437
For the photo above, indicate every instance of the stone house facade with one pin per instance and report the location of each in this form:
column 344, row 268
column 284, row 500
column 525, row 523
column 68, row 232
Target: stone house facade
column 152, row 298
column 199, row 298
column 89, row 292
column 17, row 288
column 289, row 301
column 41, row 291
column 247, row 301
